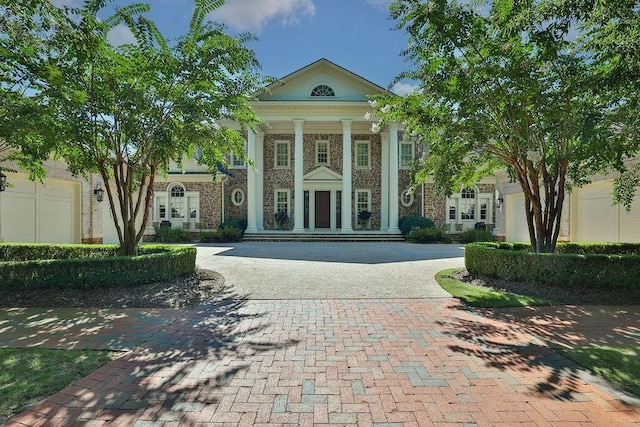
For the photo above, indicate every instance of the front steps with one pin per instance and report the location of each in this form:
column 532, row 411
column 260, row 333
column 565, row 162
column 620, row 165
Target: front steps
column 287, row 236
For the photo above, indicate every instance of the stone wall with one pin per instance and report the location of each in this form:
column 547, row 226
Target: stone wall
column 277, row 178
column 369, row 178
column 237, row 182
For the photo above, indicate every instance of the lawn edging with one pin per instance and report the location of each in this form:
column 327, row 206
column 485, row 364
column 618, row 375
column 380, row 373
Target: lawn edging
column 88, row 266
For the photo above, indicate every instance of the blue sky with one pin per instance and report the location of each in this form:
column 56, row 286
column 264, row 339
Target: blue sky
column 358, row 35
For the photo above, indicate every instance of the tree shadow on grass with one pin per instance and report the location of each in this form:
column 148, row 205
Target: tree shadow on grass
column 521, row 342
column 183, row 362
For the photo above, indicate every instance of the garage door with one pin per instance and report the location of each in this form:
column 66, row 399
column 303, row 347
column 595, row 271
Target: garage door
column 35, row 212
column 597, row 219
column 517, row 228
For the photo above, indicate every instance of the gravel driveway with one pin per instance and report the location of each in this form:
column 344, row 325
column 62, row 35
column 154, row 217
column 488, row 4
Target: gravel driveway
column 328, row 270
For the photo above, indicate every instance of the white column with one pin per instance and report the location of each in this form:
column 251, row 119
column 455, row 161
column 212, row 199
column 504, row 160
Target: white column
column 252, row 207
column 393, row 178
column 298, row 196
column 346, row 177
column 259, row 180
column 384, row 184
column 332, row 215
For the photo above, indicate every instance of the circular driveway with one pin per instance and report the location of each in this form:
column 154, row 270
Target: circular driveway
column 330, row 270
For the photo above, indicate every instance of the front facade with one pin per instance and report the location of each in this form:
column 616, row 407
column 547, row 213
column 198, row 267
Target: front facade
column 317, row 165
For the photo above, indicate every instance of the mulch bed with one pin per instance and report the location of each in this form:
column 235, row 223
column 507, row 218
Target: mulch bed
column 569, row 295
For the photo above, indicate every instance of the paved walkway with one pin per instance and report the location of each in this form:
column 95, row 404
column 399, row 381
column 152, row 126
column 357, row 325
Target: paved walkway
column 370, row 361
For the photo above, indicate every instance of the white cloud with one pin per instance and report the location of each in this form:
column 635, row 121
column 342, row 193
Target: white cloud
column 401, row 88
column 253, row 15
column 121, row 34
column 380, row 4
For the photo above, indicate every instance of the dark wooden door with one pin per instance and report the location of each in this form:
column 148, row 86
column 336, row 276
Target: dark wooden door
column 323, row 209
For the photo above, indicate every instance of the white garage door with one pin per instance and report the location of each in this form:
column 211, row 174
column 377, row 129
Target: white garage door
column 517, row 228
column 597, row 219
column 35, row 212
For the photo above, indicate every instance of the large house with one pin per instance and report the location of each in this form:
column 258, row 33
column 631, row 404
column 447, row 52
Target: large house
column 318, row 163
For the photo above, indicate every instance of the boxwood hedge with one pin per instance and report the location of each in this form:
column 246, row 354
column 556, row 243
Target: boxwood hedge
column 36, row 266
column 573, row 264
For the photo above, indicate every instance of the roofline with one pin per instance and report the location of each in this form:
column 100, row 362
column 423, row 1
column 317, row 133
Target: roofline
column 333, row 64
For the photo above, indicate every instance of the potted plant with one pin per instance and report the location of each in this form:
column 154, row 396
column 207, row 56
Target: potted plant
column 363, row 218
column 282, row 220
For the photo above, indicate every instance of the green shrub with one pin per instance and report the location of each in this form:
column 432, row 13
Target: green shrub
column 476, row 235
column 517, row 262
column 172, row 235
column 240, row 224
column 222, row 235
column 415, row 222
column 155, row 262
column 428, row 235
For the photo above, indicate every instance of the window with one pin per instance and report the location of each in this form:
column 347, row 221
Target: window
column 237, row 162
column 406, row 154
column 363, row 201
column 281, row 201
column 469, row 206
column 237, row 197
column 322, row 90
column 282, row 154
column 406, row 198
column 363, row 154
column 176, row 204
column 322, row 152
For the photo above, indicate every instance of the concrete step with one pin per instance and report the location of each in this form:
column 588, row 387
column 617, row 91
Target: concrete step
column 321, row 237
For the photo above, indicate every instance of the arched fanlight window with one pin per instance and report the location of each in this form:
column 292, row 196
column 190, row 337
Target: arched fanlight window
column 322, row 90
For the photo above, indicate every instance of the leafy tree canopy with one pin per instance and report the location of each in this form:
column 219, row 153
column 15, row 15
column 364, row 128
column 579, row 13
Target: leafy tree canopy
column 504, row 86
column 125, row 112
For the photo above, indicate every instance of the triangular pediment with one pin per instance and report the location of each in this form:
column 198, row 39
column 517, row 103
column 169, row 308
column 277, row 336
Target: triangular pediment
column 299, row 85
column 323, row 174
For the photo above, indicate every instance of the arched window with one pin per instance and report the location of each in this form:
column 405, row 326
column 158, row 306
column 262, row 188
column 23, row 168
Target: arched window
column 176, row 204
column 178, row 207
column 322, row 90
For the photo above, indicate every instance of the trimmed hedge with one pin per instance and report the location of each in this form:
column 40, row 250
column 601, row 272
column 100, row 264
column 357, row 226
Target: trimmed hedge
column 565, row 267
column 428, row 235
column 408, row 224
column 91, row 266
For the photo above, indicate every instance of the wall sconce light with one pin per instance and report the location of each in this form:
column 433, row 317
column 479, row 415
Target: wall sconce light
column 99, row 192
column 499, row 200
column 3, row 182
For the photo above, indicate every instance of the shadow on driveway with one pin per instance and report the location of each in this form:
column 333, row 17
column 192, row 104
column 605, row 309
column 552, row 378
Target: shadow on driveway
column 339, row 252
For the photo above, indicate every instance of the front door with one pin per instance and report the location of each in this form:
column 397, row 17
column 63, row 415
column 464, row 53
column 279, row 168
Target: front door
column 323, row 209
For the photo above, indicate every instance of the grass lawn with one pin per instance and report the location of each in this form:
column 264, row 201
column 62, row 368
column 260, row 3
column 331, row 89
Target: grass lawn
column 479, row 296
column 29, row 375
column 618, row 365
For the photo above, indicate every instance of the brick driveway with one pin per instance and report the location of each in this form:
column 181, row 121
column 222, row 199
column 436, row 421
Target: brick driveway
column 384, row 362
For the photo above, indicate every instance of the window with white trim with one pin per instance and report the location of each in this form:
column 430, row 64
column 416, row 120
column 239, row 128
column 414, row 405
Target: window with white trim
column 469, row 206
column 237, row 197
column 281, row 154
column 363, row 201
column 322, row 152
column 322, row 90
column 281, row 201
column 176, row 204
column 237, row 162
column 363, row 154
column 406, row 154
column 406, row 198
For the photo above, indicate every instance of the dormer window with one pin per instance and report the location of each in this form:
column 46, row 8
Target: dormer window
column 322, row 90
